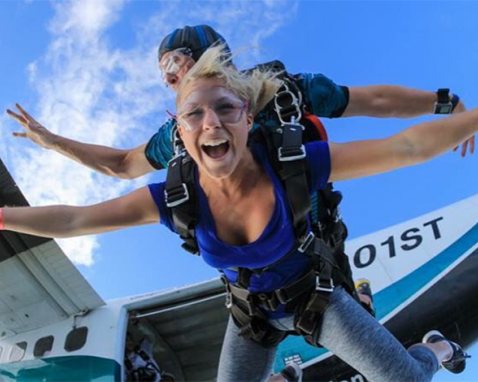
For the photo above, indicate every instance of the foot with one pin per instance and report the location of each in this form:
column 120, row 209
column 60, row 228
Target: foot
column 457, row 362
column 292, row 373
column 364, row 292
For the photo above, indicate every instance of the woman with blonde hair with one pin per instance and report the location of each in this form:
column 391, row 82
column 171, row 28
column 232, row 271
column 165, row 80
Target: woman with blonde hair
column 245, row 221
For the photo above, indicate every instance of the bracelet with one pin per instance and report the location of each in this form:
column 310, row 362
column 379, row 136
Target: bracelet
column 454, row 101
column 2, row 224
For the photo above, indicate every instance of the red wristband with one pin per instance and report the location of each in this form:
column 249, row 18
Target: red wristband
column 2, row 226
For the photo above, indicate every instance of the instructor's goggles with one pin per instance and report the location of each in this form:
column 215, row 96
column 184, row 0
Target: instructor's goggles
column 174, row 60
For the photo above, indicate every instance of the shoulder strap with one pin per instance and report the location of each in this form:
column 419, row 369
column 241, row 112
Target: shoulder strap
column 275, row 66
column 291, row 167
column 181, row 199
column 287, row 154
column 325, row 219
column 288, row 104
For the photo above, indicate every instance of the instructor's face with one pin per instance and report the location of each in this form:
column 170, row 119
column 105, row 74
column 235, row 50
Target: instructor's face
column 174, row 65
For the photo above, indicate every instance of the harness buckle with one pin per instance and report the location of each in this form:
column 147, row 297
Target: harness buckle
column 324, row 286
column 176, row 195
column 270, row 301
column 281, row 296
column 251, row 305
column 228, row 302
column 289, row 108
column 178, row 145
column 289, row 154
column 306, row 243
column 176, row 155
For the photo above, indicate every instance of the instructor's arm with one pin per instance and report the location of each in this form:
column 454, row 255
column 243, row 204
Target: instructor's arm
column 125, row 164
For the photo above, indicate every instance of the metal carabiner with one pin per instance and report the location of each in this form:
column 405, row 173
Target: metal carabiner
column 294, row 102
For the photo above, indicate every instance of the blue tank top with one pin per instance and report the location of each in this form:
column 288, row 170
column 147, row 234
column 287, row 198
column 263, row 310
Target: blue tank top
column 275, row 242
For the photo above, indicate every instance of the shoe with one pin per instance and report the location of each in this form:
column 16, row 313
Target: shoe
column 457, row 363
column 292, row 373
column 362, row 286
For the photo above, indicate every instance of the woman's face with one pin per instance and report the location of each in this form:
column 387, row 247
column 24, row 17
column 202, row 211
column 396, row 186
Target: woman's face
column 214, row 125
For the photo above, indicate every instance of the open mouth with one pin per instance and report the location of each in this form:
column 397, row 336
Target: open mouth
column 216, row 149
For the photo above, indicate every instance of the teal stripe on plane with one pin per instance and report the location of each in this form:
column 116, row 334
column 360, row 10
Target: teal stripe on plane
column 389, row 298
column 61, row 369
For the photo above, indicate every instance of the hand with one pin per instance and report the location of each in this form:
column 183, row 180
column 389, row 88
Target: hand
column 33, row 130
column 469, row 144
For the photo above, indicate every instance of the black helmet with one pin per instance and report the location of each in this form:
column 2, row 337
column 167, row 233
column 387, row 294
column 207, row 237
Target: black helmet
column 197, row 38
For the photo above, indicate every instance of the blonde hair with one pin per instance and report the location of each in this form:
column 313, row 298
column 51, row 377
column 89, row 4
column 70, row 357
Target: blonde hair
column 257, row 88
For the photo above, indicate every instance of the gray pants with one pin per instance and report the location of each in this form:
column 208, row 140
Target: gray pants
column 350, row 333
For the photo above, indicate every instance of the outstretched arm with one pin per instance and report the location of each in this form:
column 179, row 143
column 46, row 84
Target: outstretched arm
column 399, row 102
column 324, row 98
column 125, row 164
column 136, row 208
column 391, row 101
column 414, row 145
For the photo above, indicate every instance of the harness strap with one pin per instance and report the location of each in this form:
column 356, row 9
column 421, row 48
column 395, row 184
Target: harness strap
column 289, row 163
column 309, row 321
column 256, row 328
column 332, row 200
column 326, row 263
column 272, row 300
column 287, row 141
column 324, row 214
column 181, row 199
column 309, row 318
column 244, row 277
column 317, row 283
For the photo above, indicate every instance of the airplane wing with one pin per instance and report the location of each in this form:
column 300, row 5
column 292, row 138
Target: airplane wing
column 38, row 284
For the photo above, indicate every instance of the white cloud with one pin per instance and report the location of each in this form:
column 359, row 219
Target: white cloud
column 80, row 248
column 94, row 91
column 84, row 20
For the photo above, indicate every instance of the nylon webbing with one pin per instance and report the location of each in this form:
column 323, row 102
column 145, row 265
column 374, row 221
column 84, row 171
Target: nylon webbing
column 181, row 198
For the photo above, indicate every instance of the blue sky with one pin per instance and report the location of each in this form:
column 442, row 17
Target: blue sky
column 88, row 71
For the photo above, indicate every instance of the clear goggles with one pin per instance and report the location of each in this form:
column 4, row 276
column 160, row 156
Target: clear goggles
column 227, row 110
column 174, row 60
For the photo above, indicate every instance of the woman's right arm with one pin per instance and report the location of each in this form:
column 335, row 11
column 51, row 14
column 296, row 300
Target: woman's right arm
column 136, row 208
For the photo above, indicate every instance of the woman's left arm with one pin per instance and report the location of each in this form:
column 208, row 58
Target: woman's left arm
column 132, row 209
column 414, row 145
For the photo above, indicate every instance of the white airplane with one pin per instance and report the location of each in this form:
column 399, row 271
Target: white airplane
column 55, row 327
